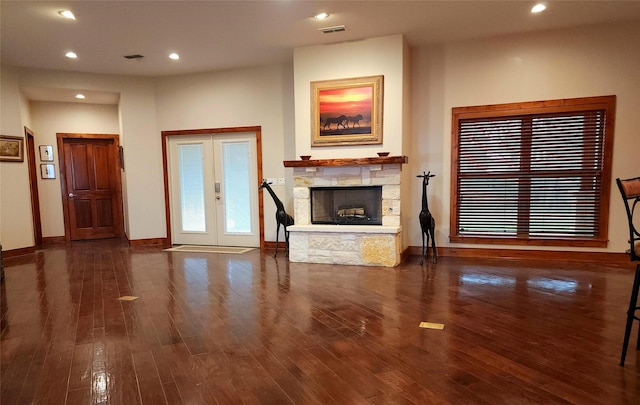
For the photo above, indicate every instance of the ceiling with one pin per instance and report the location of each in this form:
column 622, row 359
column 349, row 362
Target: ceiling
column 214, row 35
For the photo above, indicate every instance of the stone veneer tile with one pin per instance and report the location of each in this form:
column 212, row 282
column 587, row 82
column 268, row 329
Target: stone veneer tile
column 365, row 178
column 379, row 250
column 340, row 171
column 331, row 241
column 391, row 179
column 298, row 247
column 302, row 211
column 324, row 182
column 390, row 220
column 300, row 181
column 320, row 259
column 387, row 170
column 301, row 192
column 320, row 253
column 390, row 207
column 391, row 192
column 347, row 258
column 350, row 181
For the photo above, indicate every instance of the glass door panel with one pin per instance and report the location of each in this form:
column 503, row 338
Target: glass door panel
column 237, row 179
column 238, row 202
column 192, row 188
column 191, row 177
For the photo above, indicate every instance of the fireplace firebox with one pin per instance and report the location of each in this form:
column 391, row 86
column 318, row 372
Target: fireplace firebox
column 360, row 205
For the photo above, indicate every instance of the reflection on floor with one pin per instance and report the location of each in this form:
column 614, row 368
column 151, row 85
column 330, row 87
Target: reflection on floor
column 251, row 329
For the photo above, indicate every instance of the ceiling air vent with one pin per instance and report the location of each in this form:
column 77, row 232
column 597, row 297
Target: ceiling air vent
column 329, row 30
column 136, row 56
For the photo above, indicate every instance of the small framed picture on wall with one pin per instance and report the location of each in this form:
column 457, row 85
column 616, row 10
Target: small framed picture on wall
column 11, row 148
column 46, row 153
column 48, row 171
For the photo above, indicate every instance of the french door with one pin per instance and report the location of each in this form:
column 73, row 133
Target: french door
column 214, row 190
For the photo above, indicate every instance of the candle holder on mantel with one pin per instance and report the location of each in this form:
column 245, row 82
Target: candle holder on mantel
column 305, row 157
column 383, row 154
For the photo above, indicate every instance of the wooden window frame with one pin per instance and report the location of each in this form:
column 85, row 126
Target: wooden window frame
column 604, row 103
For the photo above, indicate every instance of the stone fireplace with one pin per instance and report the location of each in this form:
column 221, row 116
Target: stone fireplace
column 341, row 239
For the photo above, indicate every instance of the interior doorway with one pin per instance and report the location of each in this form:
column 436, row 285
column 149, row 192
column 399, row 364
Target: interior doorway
column 33, row 186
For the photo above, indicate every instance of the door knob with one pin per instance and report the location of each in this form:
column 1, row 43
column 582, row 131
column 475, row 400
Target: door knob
column 71, row 195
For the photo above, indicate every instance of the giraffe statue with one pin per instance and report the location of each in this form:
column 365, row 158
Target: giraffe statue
column 427, row 223
column 282, row 218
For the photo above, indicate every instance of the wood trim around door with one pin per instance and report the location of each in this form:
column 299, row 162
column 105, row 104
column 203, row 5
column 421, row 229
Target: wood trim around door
column 119, row 215
column 33, row 186
column 257, row 130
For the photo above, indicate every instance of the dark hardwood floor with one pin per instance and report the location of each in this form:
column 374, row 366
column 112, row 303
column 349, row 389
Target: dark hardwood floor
column 251, row 329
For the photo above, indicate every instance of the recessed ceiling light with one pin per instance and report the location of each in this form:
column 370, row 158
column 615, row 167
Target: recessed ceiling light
column 174, row 56
column 321, row 16
column 71, row 55
column 67, row 14
column 80, row 96
column 538, row 8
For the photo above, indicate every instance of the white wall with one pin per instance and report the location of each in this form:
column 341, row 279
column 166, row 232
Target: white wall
column 387, row 56
column 143, row 187
column 407, row 175
column 369, row 57
column 16, row 222
column 592, row 61
column 243, row 97
column 142, row 179
column 49, row 118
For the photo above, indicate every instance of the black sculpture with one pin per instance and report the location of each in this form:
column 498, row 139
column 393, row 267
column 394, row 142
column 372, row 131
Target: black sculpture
column 427, row 223
column 282, row 218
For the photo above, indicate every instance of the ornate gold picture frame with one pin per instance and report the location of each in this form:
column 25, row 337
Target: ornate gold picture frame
column 347, row 111
column 11, row 148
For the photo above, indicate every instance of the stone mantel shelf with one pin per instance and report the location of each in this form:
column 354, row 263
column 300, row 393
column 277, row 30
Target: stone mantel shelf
column 347, row 162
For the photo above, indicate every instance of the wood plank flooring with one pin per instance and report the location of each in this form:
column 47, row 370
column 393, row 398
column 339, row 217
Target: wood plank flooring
column 251, row 329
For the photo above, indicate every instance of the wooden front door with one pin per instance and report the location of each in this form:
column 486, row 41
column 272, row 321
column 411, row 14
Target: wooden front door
column 90, row 180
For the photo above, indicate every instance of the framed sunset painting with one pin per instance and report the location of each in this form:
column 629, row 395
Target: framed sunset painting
column 347, row 111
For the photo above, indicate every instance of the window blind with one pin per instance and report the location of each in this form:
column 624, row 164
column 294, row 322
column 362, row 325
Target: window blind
column 531, row 176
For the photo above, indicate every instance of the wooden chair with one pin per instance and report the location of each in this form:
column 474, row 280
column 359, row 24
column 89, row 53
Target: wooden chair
column 630, row 190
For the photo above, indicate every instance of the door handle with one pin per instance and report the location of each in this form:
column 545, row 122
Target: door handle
column 71, row 195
